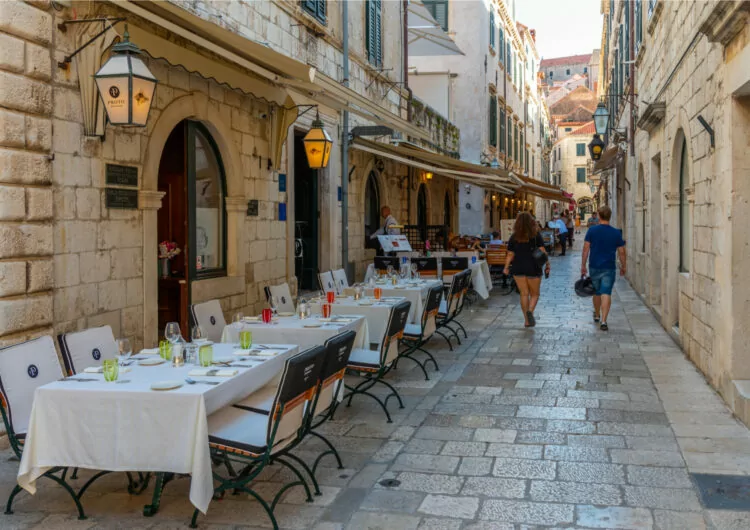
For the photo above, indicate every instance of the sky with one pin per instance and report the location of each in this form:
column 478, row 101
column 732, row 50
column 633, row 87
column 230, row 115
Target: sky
column 563, row 27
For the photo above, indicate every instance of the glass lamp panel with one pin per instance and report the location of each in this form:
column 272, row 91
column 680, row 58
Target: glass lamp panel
column 114, row 94
column 142, row 98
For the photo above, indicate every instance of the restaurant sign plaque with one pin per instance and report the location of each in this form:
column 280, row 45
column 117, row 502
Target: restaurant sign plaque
column 121, row 199
column 121, row 175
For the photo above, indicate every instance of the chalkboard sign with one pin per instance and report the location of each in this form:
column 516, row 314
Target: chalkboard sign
column 121, row 199
column 252, row 208
column 122, row 175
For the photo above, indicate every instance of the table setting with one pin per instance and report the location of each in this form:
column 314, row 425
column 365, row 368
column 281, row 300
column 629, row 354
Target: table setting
column 145, row 412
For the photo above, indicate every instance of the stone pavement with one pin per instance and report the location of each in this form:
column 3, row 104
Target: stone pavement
column 561, row 426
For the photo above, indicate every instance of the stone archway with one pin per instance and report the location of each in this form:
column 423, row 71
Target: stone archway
column 193, row 106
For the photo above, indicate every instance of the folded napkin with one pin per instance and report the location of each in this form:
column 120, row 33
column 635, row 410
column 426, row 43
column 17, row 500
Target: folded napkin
column 150, row 351
column 224, row 372
column 264, row 353
column 100, row 370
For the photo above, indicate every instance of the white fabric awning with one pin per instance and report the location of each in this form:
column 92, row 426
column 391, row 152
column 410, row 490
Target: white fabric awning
column 426, row 36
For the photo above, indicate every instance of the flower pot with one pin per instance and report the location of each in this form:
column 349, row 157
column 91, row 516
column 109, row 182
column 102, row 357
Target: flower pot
column 164, row 271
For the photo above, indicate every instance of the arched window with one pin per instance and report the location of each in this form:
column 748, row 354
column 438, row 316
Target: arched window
column 685, row 232
column 206, row 196
column 642, row 195
column 447, row 210
column 372, row 210
column 422, row 211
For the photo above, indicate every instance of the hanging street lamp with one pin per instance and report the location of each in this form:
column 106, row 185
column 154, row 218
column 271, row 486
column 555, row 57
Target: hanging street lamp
column 596, row 148
column 601, row 119
column 317, row 145
column 428, row 175
column 126, row 85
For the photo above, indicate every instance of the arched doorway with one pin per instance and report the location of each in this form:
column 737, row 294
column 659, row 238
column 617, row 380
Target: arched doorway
column 193, row 217
column 372, row 210
column 686, row 235
column 422, row 211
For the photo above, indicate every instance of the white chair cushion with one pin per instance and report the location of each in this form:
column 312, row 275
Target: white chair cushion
column 83, row 349
column 238, row 428
column 443, row 307
column 261, row 399
column 326, row 281
column 341, row 281
column 284, row 295
column 209, row 316
column 415, row 330
column 364, row 357
column 24, row 368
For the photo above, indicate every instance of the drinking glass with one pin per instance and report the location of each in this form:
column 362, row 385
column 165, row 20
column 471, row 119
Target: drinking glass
column 197, row 334
column 389, row 270
column 165, row 350
column 326, row 309
column 237, row 318
column 267, row 316
column 377, row 292
column 111, row 369
column 274, row 302
column 330, row 297
column 473, row 259
column 246, row 339
column 124, row 350
column 172, row 332
column 206, row 355
column 414, row 268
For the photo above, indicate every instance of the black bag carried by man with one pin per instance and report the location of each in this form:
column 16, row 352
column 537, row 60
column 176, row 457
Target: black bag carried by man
column 585, row 287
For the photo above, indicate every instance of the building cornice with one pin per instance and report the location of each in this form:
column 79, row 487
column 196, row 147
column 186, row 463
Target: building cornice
column 726, row 20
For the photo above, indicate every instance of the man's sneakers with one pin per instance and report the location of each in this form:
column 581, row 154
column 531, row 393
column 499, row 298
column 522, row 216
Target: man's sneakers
column 603, row 326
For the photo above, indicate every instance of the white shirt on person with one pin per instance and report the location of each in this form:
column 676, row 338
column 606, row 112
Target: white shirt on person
column 383, row 230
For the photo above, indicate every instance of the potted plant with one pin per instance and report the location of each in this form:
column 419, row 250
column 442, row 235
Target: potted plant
column 167, row 251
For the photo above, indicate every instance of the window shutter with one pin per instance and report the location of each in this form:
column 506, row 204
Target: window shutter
column 502, row 130
column 322, row 10
column 317, row 8
column 492, row 29
column 439, row 11
column 501, row 47
column 507, row 53
column 374, row 45
column 510, row 136
column 378, row 33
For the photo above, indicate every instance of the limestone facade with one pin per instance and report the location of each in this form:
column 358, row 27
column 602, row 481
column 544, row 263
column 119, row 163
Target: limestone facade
column 685, row 193
column 573, row 159
column 67, row 262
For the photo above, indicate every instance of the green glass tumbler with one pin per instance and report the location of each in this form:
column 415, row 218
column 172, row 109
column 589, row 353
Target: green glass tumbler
column 206, row 355
column 246, row 339
column 111, row 369
column 165, row 350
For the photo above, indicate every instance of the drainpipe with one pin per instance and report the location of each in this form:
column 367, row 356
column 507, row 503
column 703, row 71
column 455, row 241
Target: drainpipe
column 631, row 7
column 405, row 60
column 345, row 149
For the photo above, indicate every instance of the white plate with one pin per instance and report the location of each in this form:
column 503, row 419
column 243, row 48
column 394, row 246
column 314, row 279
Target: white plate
column 166, row 385
column 286, row 314
column 322, row 319
column 365, row 302
column 313, row 325
column 251, row 319
column 222, row 360
column 201, row 342
column 153, row 361
column 399, row 286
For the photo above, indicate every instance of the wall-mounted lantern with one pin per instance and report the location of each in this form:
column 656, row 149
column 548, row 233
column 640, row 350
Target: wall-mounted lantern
column 601, row 119
column 126, row 85
column 318, row 145
column 596, row 148
column 428, row 175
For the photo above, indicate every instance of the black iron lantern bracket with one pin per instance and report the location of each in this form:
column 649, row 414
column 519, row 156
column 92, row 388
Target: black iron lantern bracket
column 108, row 23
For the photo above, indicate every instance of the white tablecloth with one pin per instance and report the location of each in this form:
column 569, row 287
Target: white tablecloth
column 129, row 427
column 292, row 330
column 376, row 314
column 416, row 294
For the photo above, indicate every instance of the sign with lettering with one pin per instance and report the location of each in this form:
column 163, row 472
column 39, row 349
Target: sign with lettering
column 121, row 199
column 121, row 175
column 282, row 182
column 252, row 208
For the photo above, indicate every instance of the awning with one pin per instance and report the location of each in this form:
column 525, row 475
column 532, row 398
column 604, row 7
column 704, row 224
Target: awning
column 608, row 159
column 426, row 35
column 438, row 164
column 262, row 61
column 539, row 188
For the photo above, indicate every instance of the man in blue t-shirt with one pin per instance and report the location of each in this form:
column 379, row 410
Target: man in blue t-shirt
column 602, row 243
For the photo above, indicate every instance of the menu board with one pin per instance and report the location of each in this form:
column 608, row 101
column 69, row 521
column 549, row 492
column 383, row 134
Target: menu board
column 396, row 243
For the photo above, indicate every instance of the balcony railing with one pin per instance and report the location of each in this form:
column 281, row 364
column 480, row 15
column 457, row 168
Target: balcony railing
column 445, row 138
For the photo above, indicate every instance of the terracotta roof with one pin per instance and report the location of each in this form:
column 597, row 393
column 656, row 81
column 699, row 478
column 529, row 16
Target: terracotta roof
column 571, row 59
column 586, row 129
column 579, row 97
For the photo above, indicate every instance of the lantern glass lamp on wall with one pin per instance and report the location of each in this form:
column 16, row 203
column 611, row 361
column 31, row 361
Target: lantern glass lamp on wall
column 596, row 148
column 126, row 85
column 318, row 145
column 428, row 175
column 601, row 119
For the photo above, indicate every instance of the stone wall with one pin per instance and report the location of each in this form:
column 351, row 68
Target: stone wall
column 701, row 306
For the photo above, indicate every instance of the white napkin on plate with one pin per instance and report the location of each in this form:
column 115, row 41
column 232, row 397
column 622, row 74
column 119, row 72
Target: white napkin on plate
column 224, row 372
column 100, row 370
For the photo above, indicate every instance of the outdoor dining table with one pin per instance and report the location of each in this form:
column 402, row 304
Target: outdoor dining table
column 414, row 291
column 126, row 426
column 306, row 333
column 375, row 312
column 481, row 280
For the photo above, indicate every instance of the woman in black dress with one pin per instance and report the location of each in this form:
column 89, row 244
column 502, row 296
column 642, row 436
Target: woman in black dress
column 526, row 271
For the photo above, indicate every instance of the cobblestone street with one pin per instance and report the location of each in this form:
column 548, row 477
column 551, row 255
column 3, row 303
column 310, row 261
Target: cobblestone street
column 561, row 426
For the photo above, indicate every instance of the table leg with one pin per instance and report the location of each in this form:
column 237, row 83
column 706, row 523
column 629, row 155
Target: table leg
column 161, row 480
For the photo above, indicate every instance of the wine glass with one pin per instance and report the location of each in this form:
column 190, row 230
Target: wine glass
column 197, row 335
column 274, row 302
column 237, row 319
column 172, row 332
column 124, row 350
column 390, row 270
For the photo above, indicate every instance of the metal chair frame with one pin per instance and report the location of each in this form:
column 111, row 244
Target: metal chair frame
column 414, row 344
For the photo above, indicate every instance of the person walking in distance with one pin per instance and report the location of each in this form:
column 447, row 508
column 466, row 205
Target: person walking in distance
column 527, row 272
column 602, row 243
column 562, row 234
